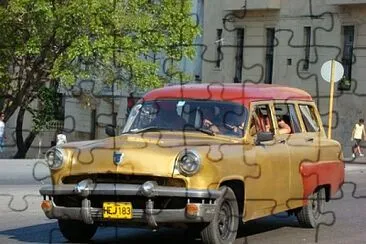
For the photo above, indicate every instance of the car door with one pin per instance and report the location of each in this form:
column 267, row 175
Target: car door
column 300, row 149
column 283, row 174
column 304, row 146
column 268, row 192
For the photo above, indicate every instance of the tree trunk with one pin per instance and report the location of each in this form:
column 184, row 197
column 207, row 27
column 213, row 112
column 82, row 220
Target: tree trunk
column 23, row 146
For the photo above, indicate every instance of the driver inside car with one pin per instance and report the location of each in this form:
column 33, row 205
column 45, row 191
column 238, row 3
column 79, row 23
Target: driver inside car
column 208, row 119
column 166, row 117
column 233, row 124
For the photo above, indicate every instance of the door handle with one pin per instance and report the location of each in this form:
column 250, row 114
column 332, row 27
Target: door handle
column 309, row 139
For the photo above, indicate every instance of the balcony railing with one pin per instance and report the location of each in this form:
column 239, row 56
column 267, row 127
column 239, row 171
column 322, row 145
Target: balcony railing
column 252, row 4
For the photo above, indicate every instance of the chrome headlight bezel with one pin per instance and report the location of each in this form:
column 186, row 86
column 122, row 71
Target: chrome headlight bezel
column 147, row 189
column 55, row 158
column 187, row 159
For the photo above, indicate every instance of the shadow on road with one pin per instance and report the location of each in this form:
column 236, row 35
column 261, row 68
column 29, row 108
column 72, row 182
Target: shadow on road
column 49, row 233
column 43, row 233
column 267, row 224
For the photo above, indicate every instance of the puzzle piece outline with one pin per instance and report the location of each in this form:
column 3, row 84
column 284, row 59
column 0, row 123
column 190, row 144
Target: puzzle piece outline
column 316, row 81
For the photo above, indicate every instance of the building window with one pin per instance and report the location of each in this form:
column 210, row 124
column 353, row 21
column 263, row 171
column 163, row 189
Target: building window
column 218, row 48
column 269, row 55
column 307, row 39
column 348, row 39
column 239, row 55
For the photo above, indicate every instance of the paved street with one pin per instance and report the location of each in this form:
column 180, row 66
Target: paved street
column 22, row 221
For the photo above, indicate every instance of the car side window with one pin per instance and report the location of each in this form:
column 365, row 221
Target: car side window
column 287, row 118
column 309, row 118
column 261, row 120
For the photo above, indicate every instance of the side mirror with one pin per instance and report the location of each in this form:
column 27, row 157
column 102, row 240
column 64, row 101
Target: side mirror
column 264, row 136
column 110, row 130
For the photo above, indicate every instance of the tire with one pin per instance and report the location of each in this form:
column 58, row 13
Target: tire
column 311, row 215
column 76, row 231
column 224, row 226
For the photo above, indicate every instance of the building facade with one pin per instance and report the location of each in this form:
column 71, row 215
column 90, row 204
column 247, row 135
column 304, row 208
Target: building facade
column 286, row 42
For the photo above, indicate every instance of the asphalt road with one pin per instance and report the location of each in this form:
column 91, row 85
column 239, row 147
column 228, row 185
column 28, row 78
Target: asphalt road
column 22, row 221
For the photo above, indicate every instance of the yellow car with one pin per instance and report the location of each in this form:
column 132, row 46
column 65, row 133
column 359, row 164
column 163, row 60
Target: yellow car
column 204, row 155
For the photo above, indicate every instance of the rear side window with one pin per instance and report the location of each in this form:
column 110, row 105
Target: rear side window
column 309, row 118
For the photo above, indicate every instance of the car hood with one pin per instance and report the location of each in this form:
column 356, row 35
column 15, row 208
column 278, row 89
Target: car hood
column 139, row 154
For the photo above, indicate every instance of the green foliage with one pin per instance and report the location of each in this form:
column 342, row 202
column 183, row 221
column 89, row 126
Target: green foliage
column 46, row 109
column 112, row 40
column 109, row 37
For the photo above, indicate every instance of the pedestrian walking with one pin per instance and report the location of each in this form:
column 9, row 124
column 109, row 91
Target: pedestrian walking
column 358, row 133
column 2, row 131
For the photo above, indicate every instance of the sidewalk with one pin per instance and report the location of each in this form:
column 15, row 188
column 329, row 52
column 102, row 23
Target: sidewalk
column 33, row 153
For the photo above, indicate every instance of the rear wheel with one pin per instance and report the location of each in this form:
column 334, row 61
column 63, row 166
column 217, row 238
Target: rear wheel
column 224, row 226
column 311, row 215
column 76, row 231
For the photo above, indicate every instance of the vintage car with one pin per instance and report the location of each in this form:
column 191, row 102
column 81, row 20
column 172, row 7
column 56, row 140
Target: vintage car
column 205, row 156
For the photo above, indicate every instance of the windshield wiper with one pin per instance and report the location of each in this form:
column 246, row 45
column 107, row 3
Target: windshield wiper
column 155, row 128
column 150, row 128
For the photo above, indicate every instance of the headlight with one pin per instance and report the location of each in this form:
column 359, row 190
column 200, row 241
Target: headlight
column 55, row 158
column 189, row 162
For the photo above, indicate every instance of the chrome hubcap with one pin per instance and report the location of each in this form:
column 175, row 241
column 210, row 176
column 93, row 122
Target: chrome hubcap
column 315, row 205
column 224, row 221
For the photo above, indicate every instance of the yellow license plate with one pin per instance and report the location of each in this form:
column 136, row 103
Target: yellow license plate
column 117, row 210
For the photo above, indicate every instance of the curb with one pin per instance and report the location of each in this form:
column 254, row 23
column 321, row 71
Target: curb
column 25, row 160
column 361, row 160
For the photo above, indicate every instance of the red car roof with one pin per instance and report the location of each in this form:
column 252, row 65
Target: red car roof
column 239, row 93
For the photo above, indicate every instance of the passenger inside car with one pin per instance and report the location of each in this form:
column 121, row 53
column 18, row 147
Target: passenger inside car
column 263, row 121
column 283, row 127
column 260, row 121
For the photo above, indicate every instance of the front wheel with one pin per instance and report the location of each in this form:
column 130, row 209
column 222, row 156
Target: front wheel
column 76, row 231
column 224, row 226
column 311, row 215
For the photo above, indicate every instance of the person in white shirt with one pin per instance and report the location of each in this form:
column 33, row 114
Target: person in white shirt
column 358, row 133
column 60, row 138
column 2, row 131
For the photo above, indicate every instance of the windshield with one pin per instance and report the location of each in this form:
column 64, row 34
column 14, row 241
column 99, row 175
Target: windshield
column 210, row 117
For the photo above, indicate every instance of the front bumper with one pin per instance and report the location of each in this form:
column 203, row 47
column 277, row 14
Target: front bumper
column 204, row 203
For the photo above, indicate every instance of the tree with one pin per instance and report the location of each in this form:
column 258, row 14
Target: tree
column 45, row 42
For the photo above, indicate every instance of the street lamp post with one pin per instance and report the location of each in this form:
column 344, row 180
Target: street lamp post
column 331, row 71
column 331, row 96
